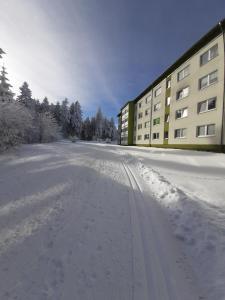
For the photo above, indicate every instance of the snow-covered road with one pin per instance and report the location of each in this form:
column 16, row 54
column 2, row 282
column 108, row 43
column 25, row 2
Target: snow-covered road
column 79, row 221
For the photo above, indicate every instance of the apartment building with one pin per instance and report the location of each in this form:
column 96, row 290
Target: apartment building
column 185, row 106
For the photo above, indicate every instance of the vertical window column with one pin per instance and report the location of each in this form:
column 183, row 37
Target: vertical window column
column 167, row 110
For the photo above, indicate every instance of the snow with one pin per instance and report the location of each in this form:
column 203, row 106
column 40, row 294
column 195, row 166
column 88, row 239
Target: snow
column 100, row 221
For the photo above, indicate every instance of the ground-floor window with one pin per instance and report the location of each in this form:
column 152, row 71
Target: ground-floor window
column 155, row 136
column 206, row 130
column 180, row 133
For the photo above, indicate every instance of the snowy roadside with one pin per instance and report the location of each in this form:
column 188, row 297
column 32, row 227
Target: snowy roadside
column 199, row 225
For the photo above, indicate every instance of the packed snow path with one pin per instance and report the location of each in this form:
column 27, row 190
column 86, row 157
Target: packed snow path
column 77, row 222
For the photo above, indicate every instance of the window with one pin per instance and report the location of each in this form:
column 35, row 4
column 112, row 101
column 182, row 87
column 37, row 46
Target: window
column 168, row 101
column 140, row 115
column 147, row 112
column 183, row 93
column 207, row 105
column 166, row 135
column 139, row 126
column 156, row 121
column 139, row 137
column 157, row 106
column 146, row 137
column 148, row 99
column 206, row 130
column 183, row 73
column 180, row 133
column 147, row 124
column 168, row 84
column 158, row 91
column 139, row 104
column 167, row 118
column 181, row 113
column 208, row 80
column 155, row 136
column 135, row 127
column 209, row 55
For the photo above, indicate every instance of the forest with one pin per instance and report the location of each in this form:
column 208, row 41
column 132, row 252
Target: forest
column 25, row 119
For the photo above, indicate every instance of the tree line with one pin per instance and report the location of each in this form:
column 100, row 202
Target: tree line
column 24, row 119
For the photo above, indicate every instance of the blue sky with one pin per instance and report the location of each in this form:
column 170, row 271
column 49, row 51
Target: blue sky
column 99, row 52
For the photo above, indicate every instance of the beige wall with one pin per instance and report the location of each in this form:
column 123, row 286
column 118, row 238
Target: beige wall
column 145, row 118
column 124, row 125
column 159, row 114
column 194, row 119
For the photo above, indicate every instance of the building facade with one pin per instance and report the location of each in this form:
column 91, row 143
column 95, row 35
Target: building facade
column 185, row 106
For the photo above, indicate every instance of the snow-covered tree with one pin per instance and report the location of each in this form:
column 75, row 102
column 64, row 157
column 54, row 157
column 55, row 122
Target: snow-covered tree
column 48, row 128
column 25, row 97
column 64, row 117
column 6, row 95
column 45, row 105
column 1, row 52
column 112, row 130
column 78, row 118
column 93, row 128
column 57, row 112
column 99, row 124
column 86, row 133
column 15, row 121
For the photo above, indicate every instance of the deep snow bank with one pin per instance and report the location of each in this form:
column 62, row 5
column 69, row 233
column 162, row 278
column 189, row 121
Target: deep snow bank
column 199, row 225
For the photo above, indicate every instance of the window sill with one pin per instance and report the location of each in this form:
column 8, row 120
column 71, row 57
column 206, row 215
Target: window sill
column 203, row 112
column 205, row 136
column 205, row 87
column 181, row 118
column 182, row 98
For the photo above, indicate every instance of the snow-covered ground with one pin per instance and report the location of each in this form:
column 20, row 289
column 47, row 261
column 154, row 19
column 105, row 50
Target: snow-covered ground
column 99, row 221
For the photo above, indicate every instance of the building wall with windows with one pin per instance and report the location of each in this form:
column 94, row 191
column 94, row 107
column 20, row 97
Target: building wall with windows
column 142, row 116
column 186, row 105
column 126, row 124
column 194, row 112
column 158, row 113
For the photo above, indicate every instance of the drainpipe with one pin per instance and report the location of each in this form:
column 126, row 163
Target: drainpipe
column 223, row 112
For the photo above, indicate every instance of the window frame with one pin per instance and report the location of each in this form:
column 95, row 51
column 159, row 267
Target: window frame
column 158, row 103
column 156, row 90
column 154, row 123
column 207, row 105
column 178, row 99
column 182, row 71
column 148, row 99
column 146, row 138
column 206, row 130
column 208, row 80
column 209, row 58
column 180, row 136
column 157, row 133
column 146, row 123
column 182, row 110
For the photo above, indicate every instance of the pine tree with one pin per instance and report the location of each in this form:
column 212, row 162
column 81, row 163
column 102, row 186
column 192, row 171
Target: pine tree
column 6, row 95
column 45, row 105
column 78, row 118
column 99, row 124
column 64, row 117
column 25, row 96
column 86, row 133
column 1, row 52
column 57, row 113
